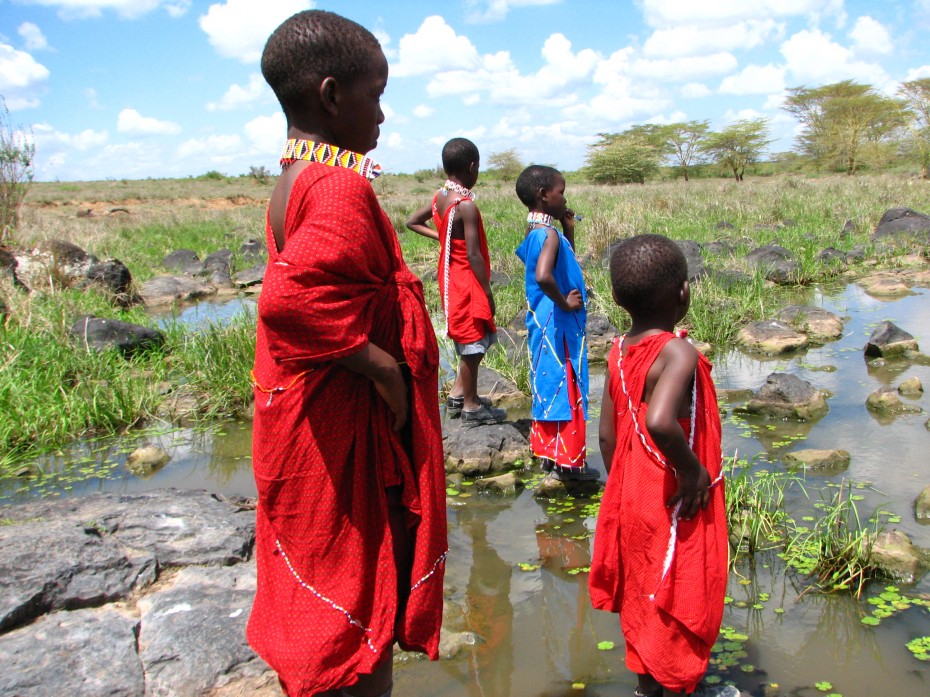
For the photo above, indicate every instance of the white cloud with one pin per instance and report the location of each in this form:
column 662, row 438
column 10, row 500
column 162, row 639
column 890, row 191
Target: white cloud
column 385, row 40
column 691, row 40
column 240, row 28
column 434, row 47
column 49, row 139
column 918, row 73
column 393, row 140
column 238, row 95
column 128, row 9
column 670, row 13
column 684, row 69
column 215, row 149
column 695, row 90
column 33, row 36
column 496, row 10
column 423, row 111
column 497, row 75
column 755, row 79
column 870, row 36
column 20, row 77
column 132, row 122
column 267, row 133
column 813, row 58
column 90, row 94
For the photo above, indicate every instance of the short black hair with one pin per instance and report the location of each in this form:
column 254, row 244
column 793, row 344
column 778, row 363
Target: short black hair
column 458, row 154
column 310, row 46
column 532, row 179
column 646, row 272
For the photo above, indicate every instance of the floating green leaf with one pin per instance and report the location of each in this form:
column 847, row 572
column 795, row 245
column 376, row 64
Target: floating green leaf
column 605, row 645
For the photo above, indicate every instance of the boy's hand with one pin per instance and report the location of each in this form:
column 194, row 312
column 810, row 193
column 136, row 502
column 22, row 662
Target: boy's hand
column 574, row 301
column 568, row 222
column 492, row 304
column 692, row 491
column 393, row 390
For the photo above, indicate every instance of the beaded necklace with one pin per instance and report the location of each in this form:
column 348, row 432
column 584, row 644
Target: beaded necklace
column 537, row 218
column 459, row 189
column 332, row 155
column 470, row 195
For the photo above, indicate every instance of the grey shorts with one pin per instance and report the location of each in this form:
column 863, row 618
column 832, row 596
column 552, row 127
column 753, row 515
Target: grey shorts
column 480, row 346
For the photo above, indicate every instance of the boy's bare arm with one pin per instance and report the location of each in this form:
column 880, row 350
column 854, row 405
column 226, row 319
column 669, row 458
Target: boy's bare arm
column 468, row 214
column 544, row 268
column 417, row 223
column 380, row 367
column 672, row 390
column 607, row 435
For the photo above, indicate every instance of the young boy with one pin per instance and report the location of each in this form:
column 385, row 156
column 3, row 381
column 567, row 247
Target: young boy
column 660, row 547
column 347, row 445
column 555, row 322
column 464, row 277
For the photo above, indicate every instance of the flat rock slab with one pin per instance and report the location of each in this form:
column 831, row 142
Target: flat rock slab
column 787, row 396
column 75, row 553
column 770, row 337
column 85, row 653
column 477, row 450
column 818, row 324
column 193, row 631
column 815, row 461
column 164, row 290
column 53, row 564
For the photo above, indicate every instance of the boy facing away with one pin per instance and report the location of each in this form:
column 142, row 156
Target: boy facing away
column 464, row 277
column 660, row 548
column 347, row 445
column 555, row 324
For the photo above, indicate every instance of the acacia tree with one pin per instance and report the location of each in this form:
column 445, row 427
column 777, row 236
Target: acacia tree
column 685, row 142
column 738, row 145
column 623, row 158
column 17, row 151
column 506, row 163
column 916, row 95
column 845, row 124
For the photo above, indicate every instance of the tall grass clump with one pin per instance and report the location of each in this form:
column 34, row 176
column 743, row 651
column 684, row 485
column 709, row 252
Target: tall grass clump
column 756, row 507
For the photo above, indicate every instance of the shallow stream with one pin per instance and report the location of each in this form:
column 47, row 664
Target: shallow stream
column 516, row 569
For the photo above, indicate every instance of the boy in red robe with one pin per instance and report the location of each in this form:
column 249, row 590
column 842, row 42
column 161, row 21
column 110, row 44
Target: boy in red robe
column 660, row 548
column 347, row 450
column 464, row 277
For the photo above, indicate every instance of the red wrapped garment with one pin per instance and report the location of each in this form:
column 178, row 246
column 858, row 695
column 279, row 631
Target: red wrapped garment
column 468, row 312
column 324, row 449
column 670, row 619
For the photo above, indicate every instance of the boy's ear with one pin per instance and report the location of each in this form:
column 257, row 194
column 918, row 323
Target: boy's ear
column 684, row 293
column 329, row 95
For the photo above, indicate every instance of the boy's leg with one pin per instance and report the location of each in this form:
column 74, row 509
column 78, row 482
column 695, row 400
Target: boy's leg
column 468, row 379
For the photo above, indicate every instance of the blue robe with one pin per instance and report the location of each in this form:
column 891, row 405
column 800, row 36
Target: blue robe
column 551, row 328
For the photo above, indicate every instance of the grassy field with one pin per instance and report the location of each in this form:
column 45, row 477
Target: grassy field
column 51, row 392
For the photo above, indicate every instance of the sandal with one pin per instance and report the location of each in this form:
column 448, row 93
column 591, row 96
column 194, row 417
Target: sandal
column 454, row 405
column 576, row 474
column 483, row 415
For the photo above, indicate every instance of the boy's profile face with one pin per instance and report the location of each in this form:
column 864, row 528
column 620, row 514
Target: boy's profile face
column 357, row 128
column 553, row 199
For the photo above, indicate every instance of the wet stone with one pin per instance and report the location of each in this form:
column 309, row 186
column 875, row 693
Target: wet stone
column 776, row 263
column 815, row 461
column 922, row 505
column 508, row 484
column 885, row 284
column 183, row 261
column 895, row 554
column 885, row 400
column 911, row 387
column 552, row 487
column 146, row 461
column 100, row 334
column 887, row 339
column 787, row 396
column 903, row 224
column 250, row 277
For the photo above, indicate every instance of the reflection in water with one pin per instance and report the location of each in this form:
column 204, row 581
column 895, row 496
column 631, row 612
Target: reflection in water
column 538, row 634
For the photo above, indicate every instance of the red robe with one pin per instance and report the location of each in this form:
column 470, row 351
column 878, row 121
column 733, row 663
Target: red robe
column 468, row 314
column 670, row 623
column 324, row 449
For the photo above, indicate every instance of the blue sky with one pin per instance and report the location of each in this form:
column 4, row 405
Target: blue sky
column 166, row 88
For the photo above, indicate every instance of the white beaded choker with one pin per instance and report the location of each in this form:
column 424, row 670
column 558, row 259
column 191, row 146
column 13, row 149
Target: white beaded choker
column 459, row 189
column 539, row 218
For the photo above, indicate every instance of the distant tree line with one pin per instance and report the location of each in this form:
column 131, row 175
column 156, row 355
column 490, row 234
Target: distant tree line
column 845, row 127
